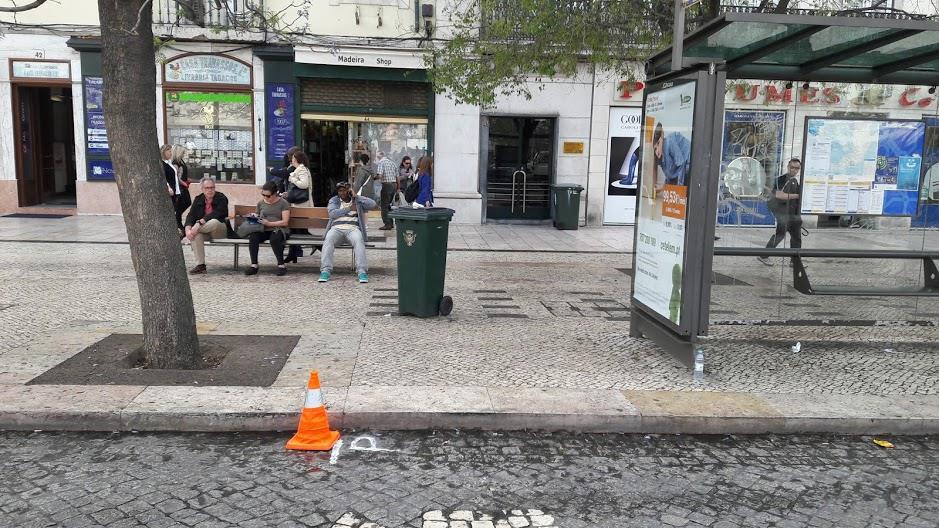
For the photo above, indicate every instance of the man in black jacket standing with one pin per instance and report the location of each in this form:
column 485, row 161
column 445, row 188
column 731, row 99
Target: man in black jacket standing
column 207, row 219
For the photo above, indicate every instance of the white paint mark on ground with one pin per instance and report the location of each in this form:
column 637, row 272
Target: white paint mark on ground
column 370, row 440
column 351, row 520
column 334, row 454
column 473, row 519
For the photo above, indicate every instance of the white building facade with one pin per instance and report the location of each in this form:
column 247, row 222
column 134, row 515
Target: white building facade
column 356, row 85
column 237, row 102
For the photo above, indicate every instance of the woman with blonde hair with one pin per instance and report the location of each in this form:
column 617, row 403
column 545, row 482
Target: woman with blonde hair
column 183, row 200
column 170, row 173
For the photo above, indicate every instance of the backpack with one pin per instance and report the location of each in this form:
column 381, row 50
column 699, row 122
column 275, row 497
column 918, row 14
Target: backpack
column 413, row 190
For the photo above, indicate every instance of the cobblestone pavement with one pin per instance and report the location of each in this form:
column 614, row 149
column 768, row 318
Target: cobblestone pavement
column 467, row 480
column 520, row 320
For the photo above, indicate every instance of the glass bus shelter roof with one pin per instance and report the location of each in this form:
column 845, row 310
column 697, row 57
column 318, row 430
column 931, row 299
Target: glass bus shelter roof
column 862, row 49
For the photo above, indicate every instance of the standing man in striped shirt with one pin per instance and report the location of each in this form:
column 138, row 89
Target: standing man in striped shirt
column 388, row 172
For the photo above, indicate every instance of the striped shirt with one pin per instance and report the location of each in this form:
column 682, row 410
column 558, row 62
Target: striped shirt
column 350, row 221
column 387, row 170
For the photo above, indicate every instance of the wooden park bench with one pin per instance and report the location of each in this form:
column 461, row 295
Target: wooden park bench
column 311, row 219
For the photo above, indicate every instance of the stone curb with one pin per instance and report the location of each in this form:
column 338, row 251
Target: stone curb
column 229, row 409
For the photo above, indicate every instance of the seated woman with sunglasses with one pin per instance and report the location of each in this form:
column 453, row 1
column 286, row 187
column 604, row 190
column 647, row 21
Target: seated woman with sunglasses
column 274, row 214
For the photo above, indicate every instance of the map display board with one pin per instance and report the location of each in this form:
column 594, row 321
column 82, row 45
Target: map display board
column 869, row 167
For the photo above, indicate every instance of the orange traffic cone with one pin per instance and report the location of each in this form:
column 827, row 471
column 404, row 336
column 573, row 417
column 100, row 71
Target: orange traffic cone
column 313, row 434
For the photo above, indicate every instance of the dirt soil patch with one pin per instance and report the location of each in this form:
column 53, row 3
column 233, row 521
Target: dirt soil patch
column 230, row 360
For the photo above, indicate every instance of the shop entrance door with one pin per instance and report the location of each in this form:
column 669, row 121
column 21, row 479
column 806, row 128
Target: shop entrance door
column 45, row 155
column 520, row 168
column 325, row 144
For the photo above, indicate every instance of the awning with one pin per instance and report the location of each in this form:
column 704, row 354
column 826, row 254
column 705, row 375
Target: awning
column 862, row 49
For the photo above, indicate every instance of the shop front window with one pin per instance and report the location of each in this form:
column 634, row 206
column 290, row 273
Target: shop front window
column 396, row 140
column 216, row 129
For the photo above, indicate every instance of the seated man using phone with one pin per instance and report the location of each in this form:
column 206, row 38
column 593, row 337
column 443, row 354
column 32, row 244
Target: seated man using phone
column 347, row 213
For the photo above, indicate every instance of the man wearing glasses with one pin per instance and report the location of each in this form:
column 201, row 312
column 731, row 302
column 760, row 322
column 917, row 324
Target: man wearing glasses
column 206, row 220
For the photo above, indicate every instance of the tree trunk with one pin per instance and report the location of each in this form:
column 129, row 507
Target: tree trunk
column 129, row 73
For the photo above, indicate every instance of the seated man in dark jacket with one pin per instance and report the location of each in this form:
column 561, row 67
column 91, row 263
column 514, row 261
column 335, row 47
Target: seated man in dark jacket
column 207, row 218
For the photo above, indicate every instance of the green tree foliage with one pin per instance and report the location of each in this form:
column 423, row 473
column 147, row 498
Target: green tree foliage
column 496, row 47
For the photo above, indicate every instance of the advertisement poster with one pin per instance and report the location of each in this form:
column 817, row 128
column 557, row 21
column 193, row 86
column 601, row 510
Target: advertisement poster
column 663, row 199
column 862, row 166
column 96, row 136
column 750, row 158
column 623, row 171
column 280, row 120
column 930, row 190
column 752, row 140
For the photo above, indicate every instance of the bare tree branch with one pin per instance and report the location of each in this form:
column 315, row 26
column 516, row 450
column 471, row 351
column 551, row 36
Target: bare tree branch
column 18, row 9
column 134, row 29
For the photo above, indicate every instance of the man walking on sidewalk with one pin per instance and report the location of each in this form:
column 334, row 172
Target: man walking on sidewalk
column 785, row 205
column 346, row 224
column 207, row 219
column 388, row 172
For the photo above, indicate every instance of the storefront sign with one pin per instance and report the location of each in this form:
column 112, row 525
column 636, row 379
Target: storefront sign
column 622, row 175
column 359, row 57
column 41, row 70
column 96, row 136
column 573, row 147
column 280, row 119
column 207, row 69
column 100, row 170
column 666, row 165
column 629, row 90
column 830, row 95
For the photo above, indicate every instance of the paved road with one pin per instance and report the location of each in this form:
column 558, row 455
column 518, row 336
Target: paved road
column 467, row 480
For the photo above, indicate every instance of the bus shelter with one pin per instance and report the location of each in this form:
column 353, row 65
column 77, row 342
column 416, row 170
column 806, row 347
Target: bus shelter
column 858, row 163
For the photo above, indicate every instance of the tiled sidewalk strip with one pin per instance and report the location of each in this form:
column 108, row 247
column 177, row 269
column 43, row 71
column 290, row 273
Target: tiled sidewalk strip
column 223, row 409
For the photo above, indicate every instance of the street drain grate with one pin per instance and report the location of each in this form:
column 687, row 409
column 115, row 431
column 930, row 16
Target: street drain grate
column 489, row 300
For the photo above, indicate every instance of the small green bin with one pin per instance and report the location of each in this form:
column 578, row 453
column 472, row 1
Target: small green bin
column 422, row 260
column 566, row 200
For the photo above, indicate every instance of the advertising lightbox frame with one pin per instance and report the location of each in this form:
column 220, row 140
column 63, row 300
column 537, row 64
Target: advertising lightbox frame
column 701, row 211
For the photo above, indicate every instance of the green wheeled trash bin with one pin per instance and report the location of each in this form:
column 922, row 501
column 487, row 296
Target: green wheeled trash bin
column 566, row 201
column 422, row 260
